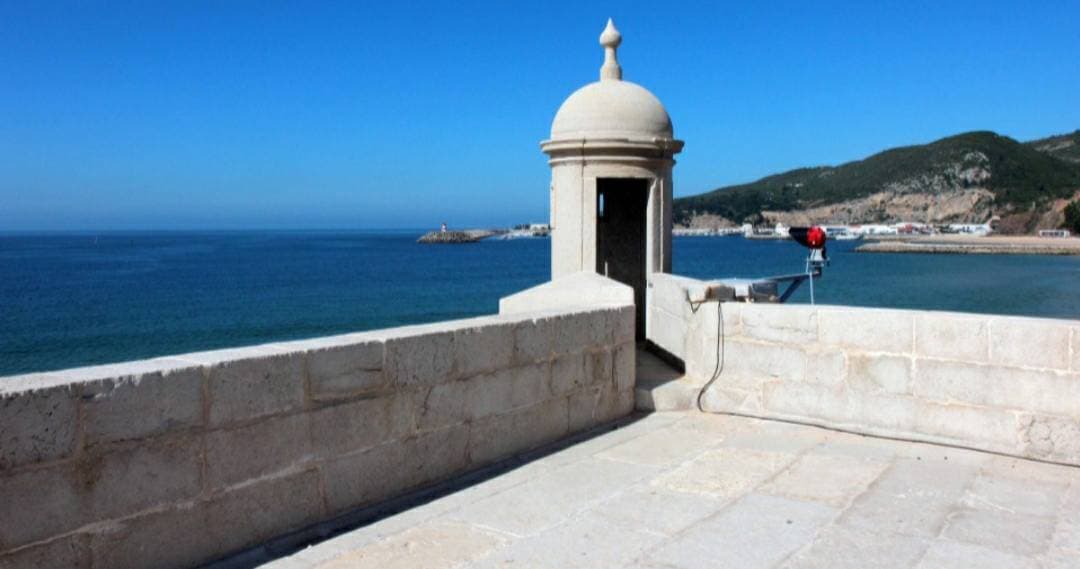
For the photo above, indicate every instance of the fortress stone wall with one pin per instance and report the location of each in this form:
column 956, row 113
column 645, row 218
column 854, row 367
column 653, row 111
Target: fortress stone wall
column 997, row 383
column 176, row 461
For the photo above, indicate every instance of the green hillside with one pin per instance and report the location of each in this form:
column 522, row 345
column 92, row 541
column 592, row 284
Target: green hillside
column 1064, row 146
column 1019, row 175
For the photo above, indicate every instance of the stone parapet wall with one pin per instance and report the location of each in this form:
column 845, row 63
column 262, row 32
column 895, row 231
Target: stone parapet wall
column 176, row 461
column 997, row 383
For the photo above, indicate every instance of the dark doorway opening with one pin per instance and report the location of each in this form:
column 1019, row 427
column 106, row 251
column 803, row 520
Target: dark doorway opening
column 620, row 236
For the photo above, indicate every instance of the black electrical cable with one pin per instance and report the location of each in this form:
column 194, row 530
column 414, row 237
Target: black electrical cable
column 719, row 353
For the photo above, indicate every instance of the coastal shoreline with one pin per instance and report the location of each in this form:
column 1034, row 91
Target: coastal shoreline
column 965, row 245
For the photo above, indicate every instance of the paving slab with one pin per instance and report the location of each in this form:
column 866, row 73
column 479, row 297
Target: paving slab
column 688, row 490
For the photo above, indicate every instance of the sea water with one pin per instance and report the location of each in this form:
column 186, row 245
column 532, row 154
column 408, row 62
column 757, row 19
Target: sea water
column 79, row 299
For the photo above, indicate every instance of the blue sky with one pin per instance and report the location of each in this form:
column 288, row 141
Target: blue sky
column 173, row 115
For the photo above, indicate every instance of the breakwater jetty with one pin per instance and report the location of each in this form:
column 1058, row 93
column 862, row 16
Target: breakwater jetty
column 450, row 237
column 1018, row 245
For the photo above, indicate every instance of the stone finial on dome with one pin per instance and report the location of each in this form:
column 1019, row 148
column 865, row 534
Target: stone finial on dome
column 610, row 38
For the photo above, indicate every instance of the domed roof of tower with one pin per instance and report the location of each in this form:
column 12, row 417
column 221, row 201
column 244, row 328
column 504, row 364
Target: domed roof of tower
column 611, row 107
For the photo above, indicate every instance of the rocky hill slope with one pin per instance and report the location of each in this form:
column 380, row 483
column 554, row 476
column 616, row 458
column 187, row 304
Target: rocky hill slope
column 969, row 177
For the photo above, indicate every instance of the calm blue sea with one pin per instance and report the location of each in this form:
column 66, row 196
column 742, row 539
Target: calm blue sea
column 80, row 299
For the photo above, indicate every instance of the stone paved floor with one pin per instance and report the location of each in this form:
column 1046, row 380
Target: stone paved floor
column 686, row 490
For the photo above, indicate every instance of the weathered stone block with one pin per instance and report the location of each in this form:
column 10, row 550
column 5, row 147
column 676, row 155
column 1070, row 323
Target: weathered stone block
column 38, row 504
column 889, row 374
column 757, row 362
column 577, row 331
column 357, row 425
column 246, row 389
column 997, row 386
column 980, row 427
column 421, row 359
column 123, row 482
column 568, row 374
column 667, row 331
column 952, row 336
column 505, row 435
column 719, row 399
column 625, row 366
column 533, row 340
column 346, row 371
column 443, row 405
column 1029, row 343
column 867, row 329
column 838, row 407
column 581, row 409
column 505, row 390
column 621, row 323
column 69, row 551
column 1050, row 438
column 264, row 510
column 243, row 453
column 1009, row 531
column 37, row 426
column 143, row 405
column 789, row 324
column 599, row 367
column 827, row 367
column 173, row 538
column 483, row 348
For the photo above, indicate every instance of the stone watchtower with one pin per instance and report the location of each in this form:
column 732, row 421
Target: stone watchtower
column 611, row 152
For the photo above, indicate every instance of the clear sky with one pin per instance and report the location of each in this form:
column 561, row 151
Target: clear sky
column 172, row 115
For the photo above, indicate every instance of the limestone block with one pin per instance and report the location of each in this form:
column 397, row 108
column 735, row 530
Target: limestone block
column 839, row 547
column 443, row 405
column 357, row 425
column 1050, row 438
column 979, row 427
column 784, row 323
column 621, row 323
column 831, row 480
column 37, row 426
column 505, row 390
column 1076, row 350
column 724, row 473
column 947, row 554
column 446, row 545
column 236, row 455
column 747, row 363
column 365, row 478
column 838, row 407
column 345, row 371
column 667, row 331
column 245, row 389
column 421, row 359
column 533, row 340
column 599, row 368
column 867, row 329
column 142, row 405
column 668, row 293
column 827, row 367
column 67, row 551
column 625, row 367
column 482, row 349
column 568, row 374
column 996, row 386
column 1029, row 343
column 761, row 531
column 255, row 513
column 911, row 498
column 577, row 332
column 1008, row 531
column 126, row 481
column 581, row 408
column 706, row 319
column 38, row 504
column 991, row 491
column 951, row 336
column 173, row 538
column 502, row 436
column 879, row 373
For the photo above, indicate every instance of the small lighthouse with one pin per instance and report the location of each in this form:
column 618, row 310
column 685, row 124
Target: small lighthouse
column 611, row 153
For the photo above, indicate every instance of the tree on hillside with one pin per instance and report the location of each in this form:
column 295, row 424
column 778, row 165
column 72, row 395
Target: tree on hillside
column 1072, row 217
